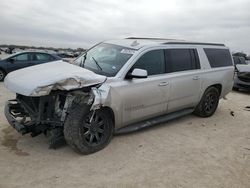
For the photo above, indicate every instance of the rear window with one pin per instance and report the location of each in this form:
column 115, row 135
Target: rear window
column 218, row 57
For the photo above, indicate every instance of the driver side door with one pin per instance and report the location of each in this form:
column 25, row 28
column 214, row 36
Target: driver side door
column 143, row 98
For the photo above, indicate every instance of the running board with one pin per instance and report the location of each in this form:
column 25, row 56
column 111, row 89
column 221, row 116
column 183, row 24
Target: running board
column 153, row 121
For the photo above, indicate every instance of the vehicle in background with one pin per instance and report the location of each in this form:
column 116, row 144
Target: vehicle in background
column 66, row 55
column 238, row 60
column 22, row 60
column 242, row 73
column 119, row 86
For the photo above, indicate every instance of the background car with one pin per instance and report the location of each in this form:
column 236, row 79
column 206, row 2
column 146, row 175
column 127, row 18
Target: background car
column 24, row 59
column 242, row 74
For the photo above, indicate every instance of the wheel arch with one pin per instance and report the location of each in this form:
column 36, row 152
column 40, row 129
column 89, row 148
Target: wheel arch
column 1, row 68
column 217, row 86
column 111, row 112
column 4, row 71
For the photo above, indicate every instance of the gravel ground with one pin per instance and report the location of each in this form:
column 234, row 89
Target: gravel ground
column 186, row 152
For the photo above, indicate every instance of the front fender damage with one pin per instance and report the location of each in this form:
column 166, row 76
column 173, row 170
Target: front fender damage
column 96, row 98
column 100, row 96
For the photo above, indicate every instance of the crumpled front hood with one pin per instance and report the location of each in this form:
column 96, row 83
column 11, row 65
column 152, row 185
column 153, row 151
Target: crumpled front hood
column 41, row 79
column 243, row 68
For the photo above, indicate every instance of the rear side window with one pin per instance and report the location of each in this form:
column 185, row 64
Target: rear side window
column 43, row 57
column 182, row 60
column 153, row 62
column 218, row 57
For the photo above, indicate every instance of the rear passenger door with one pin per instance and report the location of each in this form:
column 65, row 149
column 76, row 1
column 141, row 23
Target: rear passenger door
column 183, row 67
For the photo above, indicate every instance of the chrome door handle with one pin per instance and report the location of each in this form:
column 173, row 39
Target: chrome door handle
column 196, row 78
column 163, row 84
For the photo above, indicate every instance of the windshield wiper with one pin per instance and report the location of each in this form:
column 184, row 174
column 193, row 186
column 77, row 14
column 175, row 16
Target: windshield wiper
column 96, row 62
column 83, row 60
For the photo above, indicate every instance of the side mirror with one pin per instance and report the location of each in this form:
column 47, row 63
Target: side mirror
column 137, row 73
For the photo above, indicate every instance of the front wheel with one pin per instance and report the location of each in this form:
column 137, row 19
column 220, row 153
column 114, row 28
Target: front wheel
column 87, row 131
column 209, row 103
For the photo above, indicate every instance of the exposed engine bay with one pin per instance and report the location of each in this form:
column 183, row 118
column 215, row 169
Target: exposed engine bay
column 46, row 114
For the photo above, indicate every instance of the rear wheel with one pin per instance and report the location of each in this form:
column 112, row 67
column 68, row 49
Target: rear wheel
column 208, row 103
column 2, row 75
column 88, row 131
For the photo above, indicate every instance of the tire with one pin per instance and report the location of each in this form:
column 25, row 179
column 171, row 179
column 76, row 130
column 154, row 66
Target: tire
column 84, row 137
column 209, row 103
column 235, row 89
column 2, row 75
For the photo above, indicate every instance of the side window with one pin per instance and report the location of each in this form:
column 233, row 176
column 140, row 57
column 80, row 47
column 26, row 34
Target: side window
column 22, row 57
column 218, row 57
column 153, row 62
column 43, row 57
column 182, row 60
column 236, row 60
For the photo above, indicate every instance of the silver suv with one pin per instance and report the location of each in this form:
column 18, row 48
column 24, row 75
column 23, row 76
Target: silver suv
column 118, row 86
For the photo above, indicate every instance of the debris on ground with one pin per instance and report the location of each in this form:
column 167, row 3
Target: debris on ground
column 247, row 108
column 203, row 124
column 232, row 113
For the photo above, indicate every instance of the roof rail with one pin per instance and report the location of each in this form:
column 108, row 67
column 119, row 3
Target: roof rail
column 196, row 43
column 145, row 38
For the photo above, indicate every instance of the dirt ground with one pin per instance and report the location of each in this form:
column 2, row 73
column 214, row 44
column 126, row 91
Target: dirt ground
column 187, row 152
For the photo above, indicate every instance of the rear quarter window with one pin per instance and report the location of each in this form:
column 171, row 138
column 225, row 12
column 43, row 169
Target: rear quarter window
column 218, row 57
column 43, row 57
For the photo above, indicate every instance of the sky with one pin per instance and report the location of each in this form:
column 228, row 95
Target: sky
column 83, row 23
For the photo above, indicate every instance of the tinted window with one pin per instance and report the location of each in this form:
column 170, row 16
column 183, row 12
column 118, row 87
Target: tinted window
column 153, row 62
column 182, row 60
column 218, row 57
column 22, row 57
column 42, row 57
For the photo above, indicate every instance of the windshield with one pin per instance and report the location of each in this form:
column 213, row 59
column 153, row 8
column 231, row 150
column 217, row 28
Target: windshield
column 105, row 59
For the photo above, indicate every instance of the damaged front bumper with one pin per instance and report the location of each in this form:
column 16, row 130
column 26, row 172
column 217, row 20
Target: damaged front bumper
column 11, row 116
column 37, row 115
column 33, row 115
